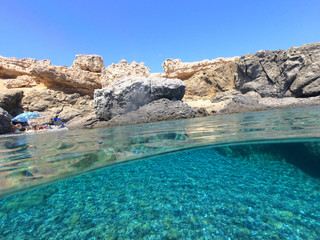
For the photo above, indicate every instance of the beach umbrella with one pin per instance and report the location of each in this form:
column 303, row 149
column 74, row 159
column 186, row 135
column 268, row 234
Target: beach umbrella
column 24, row 117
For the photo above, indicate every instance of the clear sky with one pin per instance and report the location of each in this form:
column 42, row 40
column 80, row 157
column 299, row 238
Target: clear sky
column 151, row 31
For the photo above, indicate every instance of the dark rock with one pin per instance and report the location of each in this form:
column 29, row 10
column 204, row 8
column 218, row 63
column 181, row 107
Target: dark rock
column 10, row 100
column 159, row 110
column 5, row 119
column 294, row 72
column 129, row 94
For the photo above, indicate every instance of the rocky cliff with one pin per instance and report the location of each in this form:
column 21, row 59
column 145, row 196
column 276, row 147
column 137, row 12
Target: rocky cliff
column 256, row 81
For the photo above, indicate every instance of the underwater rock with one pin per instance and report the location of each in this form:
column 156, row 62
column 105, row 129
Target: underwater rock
column 129, row 94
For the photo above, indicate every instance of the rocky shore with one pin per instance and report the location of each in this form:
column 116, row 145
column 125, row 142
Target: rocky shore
column 88, row 94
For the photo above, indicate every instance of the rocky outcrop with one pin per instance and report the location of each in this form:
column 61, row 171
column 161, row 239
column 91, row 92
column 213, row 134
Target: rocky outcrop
column 174, row 68
column 82, row 78
column 91, row 63
column 294, row 72
column 115, row 72
column 129, row 94
column 68, row 80
column 159, row 110
column 5, row 119
column 74, row 109
column 11, row 67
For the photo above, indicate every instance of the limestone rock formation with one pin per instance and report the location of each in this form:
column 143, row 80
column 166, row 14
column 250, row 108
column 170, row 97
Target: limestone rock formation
column 159, row 110
column 68, row 80
column 92, row 63
column 12, row 67
column 294, row 72
column 74, row 109
column 174, row 68
column 129, row 94
column 82, row 78
column 21, row 81
column 205, row 84
column 5, row 119
column 115, row 72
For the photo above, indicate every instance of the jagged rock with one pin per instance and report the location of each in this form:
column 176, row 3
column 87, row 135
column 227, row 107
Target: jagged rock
column 92, row 63
column 68, row 80
column 159, row 110
column 206, row 84
column 5, row 119
column 10, row 100
column 174, row 68
column 129, row 94
column 71, row 108
column 115, row 72
column 294, row 72
column 21, row 81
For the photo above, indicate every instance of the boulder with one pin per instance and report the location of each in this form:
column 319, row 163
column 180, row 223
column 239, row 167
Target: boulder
column 92, row 63
column 174, row 68
column 115, row 72
column 10, row 100
column 129, row 94
column 294, row 72
column 5, row 119
column 159, row 110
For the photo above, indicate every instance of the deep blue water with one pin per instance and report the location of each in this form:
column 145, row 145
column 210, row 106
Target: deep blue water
column 243, row 176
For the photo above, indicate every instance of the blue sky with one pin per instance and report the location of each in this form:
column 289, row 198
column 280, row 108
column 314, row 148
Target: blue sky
column 151, row 31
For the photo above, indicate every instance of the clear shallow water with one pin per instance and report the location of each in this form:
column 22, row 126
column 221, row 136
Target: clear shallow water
column 31, row 160
column 258, row 178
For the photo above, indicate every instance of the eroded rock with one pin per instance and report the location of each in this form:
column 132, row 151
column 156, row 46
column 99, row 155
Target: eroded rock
column 21, row 81
column 92, row 63
column 175, row 68
column 115, row 72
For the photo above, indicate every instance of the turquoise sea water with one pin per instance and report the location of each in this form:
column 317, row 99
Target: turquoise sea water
column 241, row 176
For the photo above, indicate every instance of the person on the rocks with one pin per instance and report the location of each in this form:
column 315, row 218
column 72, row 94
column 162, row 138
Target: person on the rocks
column 18, row 126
